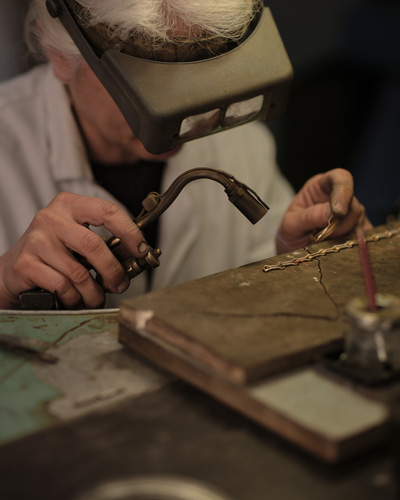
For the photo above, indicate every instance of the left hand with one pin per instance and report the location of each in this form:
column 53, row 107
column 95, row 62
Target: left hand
column 321, row 196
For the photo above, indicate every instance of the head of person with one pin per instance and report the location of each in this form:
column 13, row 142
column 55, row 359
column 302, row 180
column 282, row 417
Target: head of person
column 147, row 28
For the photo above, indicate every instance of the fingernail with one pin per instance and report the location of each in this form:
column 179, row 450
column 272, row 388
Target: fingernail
column 339, row 208
column 143, row 247
column 123, row 286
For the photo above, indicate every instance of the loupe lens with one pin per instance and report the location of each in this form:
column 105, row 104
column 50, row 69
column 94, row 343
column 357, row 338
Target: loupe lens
column 243, row 111
column 199, row 125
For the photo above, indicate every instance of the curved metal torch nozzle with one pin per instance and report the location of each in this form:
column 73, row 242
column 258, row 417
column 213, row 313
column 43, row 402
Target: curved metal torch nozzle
column 245, row 199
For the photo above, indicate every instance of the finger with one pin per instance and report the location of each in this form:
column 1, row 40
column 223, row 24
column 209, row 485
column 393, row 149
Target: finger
column 311, row 219
column 63, row 228
column 37, row 274
column 76, row 275
column 336, row 185
column 51, row 267
column 355, row 217
column 98, row 212
column 90, row 245
column 339, row 183
column 56, row 269
column 298, row 225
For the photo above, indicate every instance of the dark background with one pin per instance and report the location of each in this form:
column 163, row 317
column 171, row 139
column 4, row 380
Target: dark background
column 344, row 109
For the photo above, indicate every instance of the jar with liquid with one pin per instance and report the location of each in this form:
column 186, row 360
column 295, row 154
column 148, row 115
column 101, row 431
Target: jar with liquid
column 372, row 339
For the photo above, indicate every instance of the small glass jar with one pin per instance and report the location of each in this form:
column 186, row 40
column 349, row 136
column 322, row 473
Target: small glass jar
column 373, row 337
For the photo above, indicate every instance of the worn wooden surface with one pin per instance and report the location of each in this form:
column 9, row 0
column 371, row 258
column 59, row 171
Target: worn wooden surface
column 287, row 405
column 177, row 430
column 246, row 324
column 228, row 333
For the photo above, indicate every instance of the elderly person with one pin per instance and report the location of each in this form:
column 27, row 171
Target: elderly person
column 70, row 163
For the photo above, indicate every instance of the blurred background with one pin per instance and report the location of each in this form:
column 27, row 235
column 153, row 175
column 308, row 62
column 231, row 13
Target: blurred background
column 344, row 109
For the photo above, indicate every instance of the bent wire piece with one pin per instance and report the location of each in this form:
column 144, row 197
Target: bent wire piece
column 324, row 233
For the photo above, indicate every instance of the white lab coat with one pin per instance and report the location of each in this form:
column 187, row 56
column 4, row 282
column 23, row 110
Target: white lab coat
column 42, row 154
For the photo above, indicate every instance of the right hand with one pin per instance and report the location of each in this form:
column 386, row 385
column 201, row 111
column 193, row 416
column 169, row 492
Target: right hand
column 42, row 257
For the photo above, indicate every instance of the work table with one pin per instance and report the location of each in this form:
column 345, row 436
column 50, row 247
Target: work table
column 101, row 412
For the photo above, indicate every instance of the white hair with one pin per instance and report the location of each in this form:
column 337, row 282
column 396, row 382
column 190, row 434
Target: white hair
column 42, row 32
column 155, row 20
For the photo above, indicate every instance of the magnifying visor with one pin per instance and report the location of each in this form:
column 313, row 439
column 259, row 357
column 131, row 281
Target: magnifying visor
column 167, row 102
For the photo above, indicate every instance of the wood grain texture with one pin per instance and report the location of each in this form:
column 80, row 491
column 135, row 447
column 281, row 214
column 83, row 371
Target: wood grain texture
column 246, row 324
column 228, row 333
column 332, row 441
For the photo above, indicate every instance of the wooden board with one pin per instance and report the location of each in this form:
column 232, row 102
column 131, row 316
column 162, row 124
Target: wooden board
column 246, row 324
column 304, row 425
column 228, row 333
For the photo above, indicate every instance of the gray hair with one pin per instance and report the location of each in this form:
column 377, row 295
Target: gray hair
column 154, row 20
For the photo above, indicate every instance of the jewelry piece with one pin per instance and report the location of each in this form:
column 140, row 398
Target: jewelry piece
column 335, row 249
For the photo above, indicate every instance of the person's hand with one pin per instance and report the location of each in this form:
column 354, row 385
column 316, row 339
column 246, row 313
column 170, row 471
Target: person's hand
column 42, row 258
column 321, row 196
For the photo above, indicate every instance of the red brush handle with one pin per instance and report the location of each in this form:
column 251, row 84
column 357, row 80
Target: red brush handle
column 369, row 282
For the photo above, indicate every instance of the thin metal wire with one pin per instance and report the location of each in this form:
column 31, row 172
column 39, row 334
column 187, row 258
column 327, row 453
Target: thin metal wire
column 327, row 231
column 324, row 251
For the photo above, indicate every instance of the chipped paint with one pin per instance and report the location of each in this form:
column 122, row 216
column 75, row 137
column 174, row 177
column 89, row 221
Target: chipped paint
column 94, row 371
column 142, row 317
column 23, row 396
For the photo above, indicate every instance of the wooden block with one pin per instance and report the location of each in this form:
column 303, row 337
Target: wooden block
column 318, row 415
column 227, row 333
column 246, row 324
